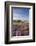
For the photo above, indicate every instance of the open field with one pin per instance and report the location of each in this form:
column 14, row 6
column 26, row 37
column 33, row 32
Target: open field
column 20, row 29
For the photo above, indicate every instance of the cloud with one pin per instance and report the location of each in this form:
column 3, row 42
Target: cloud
column 18, row 17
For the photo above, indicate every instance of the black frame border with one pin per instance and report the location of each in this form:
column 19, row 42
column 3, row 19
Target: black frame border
column 7, row 3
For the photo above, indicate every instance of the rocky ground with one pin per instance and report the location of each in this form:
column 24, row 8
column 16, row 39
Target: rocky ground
column 20, row 29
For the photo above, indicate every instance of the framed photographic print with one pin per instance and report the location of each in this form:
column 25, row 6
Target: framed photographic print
column 20, row 22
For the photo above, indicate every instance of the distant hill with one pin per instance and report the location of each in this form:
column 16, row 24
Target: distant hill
column 20, row 21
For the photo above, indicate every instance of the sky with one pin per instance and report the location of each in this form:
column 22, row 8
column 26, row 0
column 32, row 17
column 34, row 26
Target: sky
column 20, row 13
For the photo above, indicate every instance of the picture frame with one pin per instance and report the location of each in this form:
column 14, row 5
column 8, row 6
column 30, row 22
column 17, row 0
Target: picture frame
column 18, row 14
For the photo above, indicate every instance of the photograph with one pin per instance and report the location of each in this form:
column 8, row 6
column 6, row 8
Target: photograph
column 20, row 23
